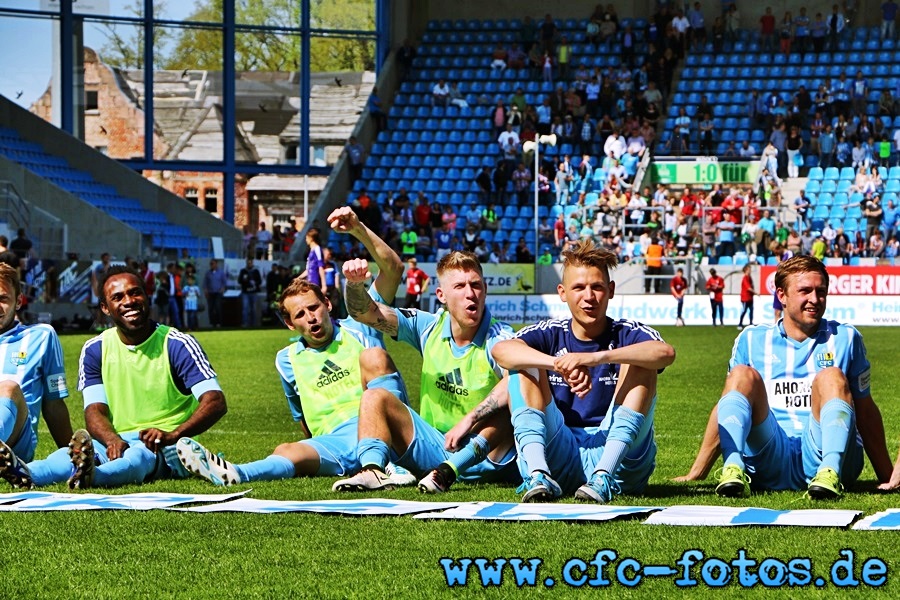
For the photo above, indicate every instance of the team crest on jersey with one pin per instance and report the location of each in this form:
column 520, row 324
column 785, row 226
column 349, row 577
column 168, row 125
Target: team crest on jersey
column 825, row 359
column 18, row 358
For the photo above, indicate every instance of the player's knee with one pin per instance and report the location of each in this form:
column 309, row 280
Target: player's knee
column 377, row 400
column 10, row 389
column 830, row 383
column 743, row 377
column 374, row 362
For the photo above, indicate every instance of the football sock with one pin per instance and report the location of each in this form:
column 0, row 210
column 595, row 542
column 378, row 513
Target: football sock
column 528, row 424
column 8, row 414
column 835, row 418
column 136, row 463
column 473, row 453
column 372, row 452
column 626, row 425
column 270, row 468
column 56, row 468
column 735, row 420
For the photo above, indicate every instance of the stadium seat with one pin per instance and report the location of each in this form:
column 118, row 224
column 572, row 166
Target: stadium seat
column 815, row 174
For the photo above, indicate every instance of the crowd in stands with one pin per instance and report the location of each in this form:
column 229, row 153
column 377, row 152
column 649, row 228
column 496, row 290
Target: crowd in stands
column 605, row 119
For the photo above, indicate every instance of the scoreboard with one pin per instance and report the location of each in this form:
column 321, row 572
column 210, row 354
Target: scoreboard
column 705, row 170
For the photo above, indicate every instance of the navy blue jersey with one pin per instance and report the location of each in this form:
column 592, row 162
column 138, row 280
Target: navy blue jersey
column 555, row 337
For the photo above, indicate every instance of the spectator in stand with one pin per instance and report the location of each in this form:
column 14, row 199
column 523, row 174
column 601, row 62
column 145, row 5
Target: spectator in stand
column 548, row 31
column 405, row 56
column 456, row 96
column 498, row 119
column 374, row 107
column 509, row 146
column 698, row 26
column 356, row 154
column 767, row 30
column 440, row 94
column 888, row 19
column 801, row 31
column 523, row 252
column 564, row 57
column 786, row 33
column 521, row 179
column 483, row 180
column 263, row 241
column 499, row 58
column 516, row 57
column 836, row 23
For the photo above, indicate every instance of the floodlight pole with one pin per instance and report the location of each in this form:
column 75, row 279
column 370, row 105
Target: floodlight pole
column 537, row 151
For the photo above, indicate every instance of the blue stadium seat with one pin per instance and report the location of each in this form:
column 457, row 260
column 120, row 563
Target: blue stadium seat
column 815, row 174
column 832, row 173
column 848, row 174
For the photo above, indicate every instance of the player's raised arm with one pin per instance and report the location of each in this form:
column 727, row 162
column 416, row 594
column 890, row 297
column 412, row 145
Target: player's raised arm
column 360, row 305
column 390, row 267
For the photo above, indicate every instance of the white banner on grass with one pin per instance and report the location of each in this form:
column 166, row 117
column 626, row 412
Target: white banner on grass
column 48, row 501
column 660, row 309
column 506, row 511
column 369, row 507
column 727, row 516
column 886, row 519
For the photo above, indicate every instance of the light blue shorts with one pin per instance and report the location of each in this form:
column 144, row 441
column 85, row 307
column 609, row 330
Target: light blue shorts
column 337, row 450
column 573, row 452
column 426, row 451
column 777, row 461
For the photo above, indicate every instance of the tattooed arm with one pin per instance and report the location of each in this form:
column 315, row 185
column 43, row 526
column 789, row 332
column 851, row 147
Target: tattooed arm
column 497, row 400
column 361, row 306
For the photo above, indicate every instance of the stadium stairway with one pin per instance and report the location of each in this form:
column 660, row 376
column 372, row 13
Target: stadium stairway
column 151, row 220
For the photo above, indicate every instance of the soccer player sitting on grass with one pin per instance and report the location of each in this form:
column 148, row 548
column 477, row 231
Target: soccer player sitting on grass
column 449, row 439
column 323, row 374
column 796, row 411
column 145, row 385
column 33, row 382
column 582, row 390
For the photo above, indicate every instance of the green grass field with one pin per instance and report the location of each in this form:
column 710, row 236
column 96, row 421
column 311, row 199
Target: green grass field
column 166, row 554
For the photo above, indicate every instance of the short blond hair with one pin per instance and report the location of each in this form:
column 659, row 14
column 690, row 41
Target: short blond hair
column 459, row 261
column 587, row 254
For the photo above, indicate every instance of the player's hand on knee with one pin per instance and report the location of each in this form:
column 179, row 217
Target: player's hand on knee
column 116, row 449
column 356, row 270
column 156, row 439
column 454, row 437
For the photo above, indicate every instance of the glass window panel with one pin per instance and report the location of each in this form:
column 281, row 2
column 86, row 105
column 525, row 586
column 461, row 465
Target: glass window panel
column 354, row 15
column 342, row 76
column 184, row 10
column 46, row 5
column 267, row 90
column 113, row 59
column 26, row 61
column 187, row 87
column 273, row 13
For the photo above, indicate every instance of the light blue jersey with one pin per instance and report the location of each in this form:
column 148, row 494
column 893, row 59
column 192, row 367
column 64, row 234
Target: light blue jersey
column 788, row 367
column 32, row 357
